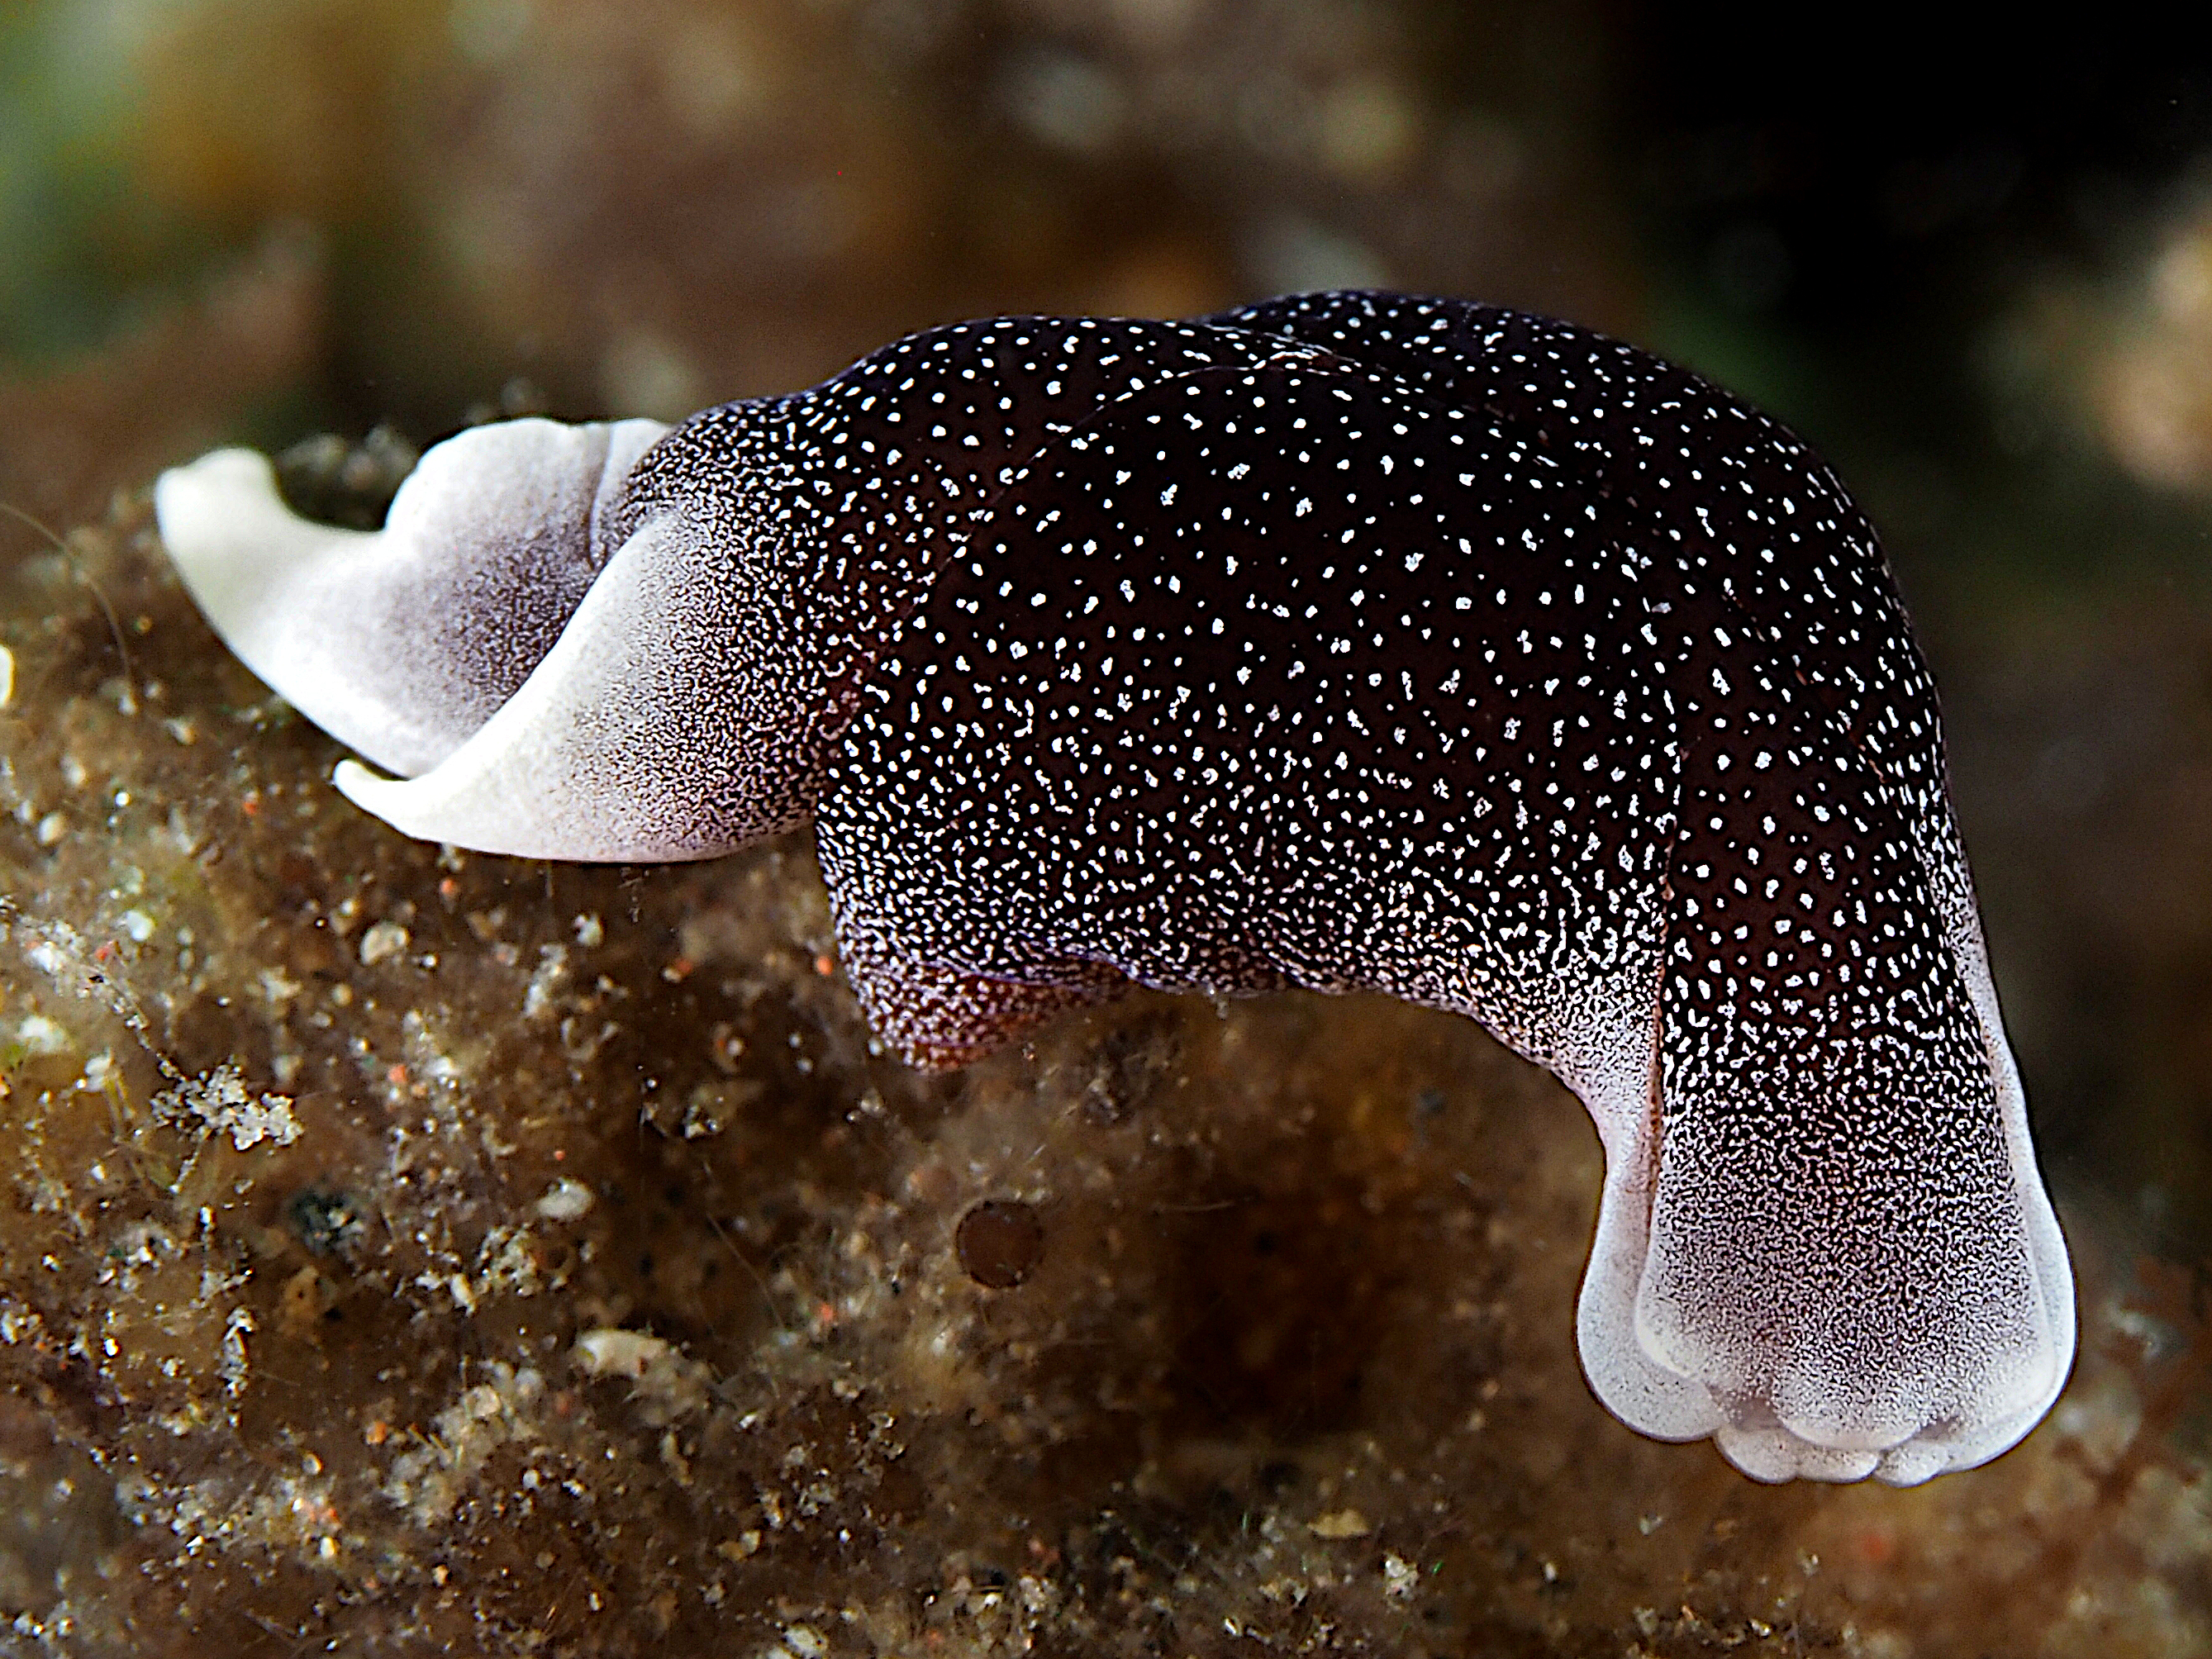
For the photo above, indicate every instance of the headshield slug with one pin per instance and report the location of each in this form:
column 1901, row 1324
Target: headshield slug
column 1346, row 641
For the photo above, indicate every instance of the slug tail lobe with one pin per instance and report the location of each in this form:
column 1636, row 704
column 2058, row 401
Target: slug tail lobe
column 402, row 643
column 607, row 752
column 1846, row 1248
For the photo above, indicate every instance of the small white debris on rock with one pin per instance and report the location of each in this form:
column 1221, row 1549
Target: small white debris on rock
column 222, row 1104
column 433, row 1474
column 41, row 1035
column 278, row 987
column 1340, row 1523
column 1400, row 1578
column 538, row 1000
column 507, row 1265
column 567, row 1199
column 589, row 932
column 482, row 1403
column 384, row 938
column 18, row 1323
column 610, row 1353
column 137, row 925
column 233, row 1364
column 7, row 677
column 669, row 1384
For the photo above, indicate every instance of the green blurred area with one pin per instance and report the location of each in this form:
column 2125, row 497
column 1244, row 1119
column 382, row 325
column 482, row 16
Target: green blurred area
column 74, row 259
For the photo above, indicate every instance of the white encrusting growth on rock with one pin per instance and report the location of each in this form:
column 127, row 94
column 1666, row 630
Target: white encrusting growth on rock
column 1346, row 641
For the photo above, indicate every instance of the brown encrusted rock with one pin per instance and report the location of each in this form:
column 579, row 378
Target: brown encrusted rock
column 416, row 1253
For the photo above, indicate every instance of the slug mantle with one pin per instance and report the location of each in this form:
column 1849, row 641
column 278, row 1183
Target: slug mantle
column 1347, row 640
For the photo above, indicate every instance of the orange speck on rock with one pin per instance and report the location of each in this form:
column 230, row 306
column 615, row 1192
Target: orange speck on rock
column 825, row 964
column 377, row 1433
column 397, row 1076
column 1876, row 1546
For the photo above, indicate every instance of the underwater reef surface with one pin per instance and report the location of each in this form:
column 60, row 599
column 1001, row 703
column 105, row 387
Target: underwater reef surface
column 411, row 1252
column 407, row 1255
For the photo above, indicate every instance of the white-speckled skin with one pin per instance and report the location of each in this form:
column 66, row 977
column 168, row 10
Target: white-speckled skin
column 1347, row 640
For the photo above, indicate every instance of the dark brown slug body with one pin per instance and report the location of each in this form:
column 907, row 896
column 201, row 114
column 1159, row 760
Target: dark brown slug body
column 1349, row 641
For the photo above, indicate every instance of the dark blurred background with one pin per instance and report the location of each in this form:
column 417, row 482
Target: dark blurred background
column 1973, row 263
